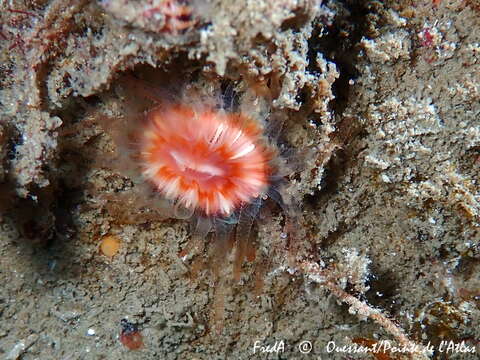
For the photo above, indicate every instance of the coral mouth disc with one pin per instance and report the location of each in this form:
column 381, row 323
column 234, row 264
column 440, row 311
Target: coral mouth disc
column 205, row 160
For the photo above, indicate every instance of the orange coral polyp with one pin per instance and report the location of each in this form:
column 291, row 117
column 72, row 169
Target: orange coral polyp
column 206, row 160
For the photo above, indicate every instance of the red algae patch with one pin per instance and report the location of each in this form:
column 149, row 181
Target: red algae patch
column 205, row 160
column 130, row 336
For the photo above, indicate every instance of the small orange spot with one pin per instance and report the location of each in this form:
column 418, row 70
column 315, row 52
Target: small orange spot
column 110, row 245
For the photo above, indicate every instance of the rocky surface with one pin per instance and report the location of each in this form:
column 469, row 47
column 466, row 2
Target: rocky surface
column 380, row 106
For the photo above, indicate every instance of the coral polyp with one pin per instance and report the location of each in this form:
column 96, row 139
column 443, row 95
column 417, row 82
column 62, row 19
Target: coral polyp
column 208, row 161
column 202, row 153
